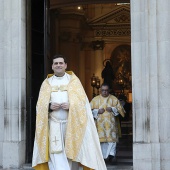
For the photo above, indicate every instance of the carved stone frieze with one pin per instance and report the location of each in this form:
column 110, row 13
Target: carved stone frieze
column 110, row 31
column 122, row 18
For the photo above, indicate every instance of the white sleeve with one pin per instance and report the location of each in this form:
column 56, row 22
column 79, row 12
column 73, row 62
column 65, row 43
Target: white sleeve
column 95, row 113
column 115, row 111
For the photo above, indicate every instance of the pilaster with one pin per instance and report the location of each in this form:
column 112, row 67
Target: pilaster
column 13, row 82
column 151, row 88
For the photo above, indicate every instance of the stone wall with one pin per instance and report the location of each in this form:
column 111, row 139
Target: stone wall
column 150, row 79
column 12, row 82
column 151, row 84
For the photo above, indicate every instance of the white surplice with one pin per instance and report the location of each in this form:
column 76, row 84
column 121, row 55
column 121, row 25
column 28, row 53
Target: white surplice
column 59, row 161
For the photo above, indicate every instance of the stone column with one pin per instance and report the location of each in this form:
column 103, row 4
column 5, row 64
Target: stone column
column 12, row 82
column 151, row 84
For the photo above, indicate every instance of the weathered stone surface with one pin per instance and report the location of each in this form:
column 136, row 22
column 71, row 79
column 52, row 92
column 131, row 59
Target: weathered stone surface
column 151, row 87
column 12, row 82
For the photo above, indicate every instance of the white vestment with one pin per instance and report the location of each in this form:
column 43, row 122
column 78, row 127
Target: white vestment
column 59, row 161
column 108, row 148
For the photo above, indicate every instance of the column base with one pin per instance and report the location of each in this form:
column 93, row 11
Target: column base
column 146, row 156
column 13, row 154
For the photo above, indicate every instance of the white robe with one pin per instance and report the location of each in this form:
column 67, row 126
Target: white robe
column 59, row 161
column 108, row 148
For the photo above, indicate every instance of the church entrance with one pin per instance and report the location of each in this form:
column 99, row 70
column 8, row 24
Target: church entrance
column 89, row 35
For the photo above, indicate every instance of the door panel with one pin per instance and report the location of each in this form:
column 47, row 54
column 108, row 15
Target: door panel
column 37, row 62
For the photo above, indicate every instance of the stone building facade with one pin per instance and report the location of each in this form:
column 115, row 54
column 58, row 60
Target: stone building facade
column 150, row 41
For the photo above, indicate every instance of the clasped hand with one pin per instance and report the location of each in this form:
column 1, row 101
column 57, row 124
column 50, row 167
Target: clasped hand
column 102, row 110
column 56, row 106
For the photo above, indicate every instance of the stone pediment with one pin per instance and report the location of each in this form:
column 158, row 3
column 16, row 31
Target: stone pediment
column 113, row 23
column 120, row 14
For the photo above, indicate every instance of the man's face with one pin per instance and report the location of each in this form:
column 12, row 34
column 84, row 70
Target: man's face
column 59, row 66
column 104, row 91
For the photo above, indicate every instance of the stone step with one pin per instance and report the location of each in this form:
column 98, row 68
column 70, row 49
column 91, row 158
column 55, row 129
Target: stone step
column 127, row 149
column 109, row 167
column 123, row 160
column 119, row 167
column 124, row 153
column 27, row 167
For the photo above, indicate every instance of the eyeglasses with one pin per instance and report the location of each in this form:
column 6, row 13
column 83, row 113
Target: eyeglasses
column 104, row 90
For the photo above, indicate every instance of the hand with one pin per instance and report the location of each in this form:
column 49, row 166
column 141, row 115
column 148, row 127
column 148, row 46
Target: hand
column 65, row 106
column 55, row 106
column 109, row 109
column 101, row 111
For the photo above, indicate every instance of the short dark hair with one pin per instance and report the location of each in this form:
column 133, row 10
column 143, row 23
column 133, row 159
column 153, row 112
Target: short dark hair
column 60, row 56
column 105, row 84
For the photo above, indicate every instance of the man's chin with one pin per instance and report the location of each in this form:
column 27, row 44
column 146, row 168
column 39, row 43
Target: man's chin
column 59, row 73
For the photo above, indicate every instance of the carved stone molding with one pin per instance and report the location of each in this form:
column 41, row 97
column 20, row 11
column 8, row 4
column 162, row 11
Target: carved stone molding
column 120, row 14
column 122, row 18
column 120, row 30
column 113, row 24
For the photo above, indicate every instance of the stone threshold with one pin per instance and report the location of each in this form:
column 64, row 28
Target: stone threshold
column 109, row 167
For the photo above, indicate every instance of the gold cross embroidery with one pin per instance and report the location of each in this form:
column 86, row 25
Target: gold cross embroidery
column 55, row 141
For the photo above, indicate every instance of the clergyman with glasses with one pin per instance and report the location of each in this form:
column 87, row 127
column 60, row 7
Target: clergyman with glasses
column 106, row 108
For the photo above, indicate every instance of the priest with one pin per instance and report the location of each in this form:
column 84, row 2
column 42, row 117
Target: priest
column 65, row 137
column 106, row 108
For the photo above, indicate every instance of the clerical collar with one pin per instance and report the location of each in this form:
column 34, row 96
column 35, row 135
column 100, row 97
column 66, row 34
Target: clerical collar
column 59, row 76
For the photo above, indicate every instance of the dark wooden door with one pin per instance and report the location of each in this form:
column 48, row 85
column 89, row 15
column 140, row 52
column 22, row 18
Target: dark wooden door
column 38, row 48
